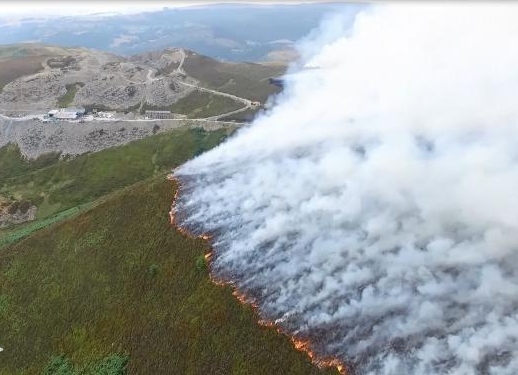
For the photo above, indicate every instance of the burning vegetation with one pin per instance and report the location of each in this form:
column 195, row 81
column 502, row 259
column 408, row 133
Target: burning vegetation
column 372, row 210
column 303, row 345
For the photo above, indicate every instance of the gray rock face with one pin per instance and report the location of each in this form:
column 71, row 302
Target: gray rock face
column 164, row 92
column 103, row 80
column 40, row 88
column 103, row 93
column 16, row 213
column 72, row 138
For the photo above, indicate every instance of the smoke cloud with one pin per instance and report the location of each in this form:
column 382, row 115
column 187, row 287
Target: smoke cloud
column 374, row 209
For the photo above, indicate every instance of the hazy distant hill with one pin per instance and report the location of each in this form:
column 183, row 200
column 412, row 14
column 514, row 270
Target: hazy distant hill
column 226, row 31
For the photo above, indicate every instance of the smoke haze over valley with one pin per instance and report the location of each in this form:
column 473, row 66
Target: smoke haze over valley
column 373, row 210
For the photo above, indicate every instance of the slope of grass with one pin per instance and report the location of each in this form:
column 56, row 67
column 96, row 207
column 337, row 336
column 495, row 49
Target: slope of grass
column 119, row 279
column 247, row 115
column 61, row 188
column 9, row 236
column 13, row 164
column 14, row 68
column 246, row 80
column 217, row 105
column 199, row 104
column 68, row 97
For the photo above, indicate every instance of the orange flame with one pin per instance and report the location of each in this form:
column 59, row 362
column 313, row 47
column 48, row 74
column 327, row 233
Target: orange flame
column 299, row 344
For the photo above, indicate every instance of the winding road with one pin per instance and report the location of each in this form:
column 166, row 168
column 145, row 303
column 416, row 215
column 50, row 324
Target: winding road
column 179, row 70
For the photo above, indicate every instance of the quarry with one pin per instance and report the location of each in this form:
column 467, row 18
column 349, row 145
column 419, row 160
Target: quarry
column 83, row 100
column 97, row 78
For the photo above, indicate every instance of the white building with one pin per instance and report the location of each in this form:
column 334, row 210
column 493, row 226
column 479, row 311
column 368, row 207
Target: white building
column 66, row 113
column 159, row 114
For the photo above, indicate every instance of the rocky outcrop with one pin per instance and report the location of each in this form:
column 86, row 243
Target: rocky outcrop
column 102, row 92
column 164, row 92
column 107, row 82
column 16, row 212
column 43, row 88
column 36, row 138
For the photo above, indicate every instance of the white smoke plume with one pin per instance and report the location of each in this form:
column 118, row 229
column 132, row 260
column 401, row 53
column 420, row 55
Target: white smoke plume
column 374, row 209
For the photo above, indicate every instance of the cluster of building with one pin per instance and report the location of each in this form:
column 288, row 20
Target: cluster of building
column 159, row 114
column 66, row 113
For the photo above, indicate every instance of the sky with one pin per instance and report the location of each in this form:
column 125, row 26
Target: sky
column 22, row 9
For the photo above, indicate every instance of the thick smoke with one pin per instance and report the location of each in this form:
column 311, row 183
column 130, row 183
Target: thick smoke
column 375, row 208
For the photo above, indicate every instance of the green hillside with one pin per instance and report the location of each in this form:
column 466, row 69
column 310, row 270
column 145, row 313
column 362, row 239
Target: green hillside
column 248, row 80
column 200, row 105
column 60, row 188
column 113, row 288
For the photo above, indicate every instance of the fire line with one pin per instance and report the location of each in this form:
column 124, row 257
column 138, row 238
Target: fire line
column 302, row 345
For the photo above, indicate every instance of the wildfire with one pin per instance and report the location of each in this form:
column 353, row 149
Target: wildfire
column 322, row 362
column 299, row 344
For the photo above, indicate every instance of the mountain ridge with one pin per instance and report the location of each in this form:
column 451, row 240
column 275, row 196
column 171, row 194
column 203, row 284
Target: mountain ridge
column 35, row 77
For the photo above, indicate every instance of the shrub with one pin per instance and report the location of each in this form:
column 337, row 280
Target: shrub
column 59, row 365
column 153, row 270
column 200, row 263
column 112, row 365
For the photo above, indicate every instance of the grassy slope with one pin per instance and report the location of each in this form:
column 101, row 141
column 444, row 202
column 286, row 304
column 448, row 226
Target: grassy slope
column 119, row 279
column 68, row 97
column 83, row 179
column 199, row 105
column 247, row 115
column 210, row 105
column 247, row 80
column 15, row 68
column 12, row 163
